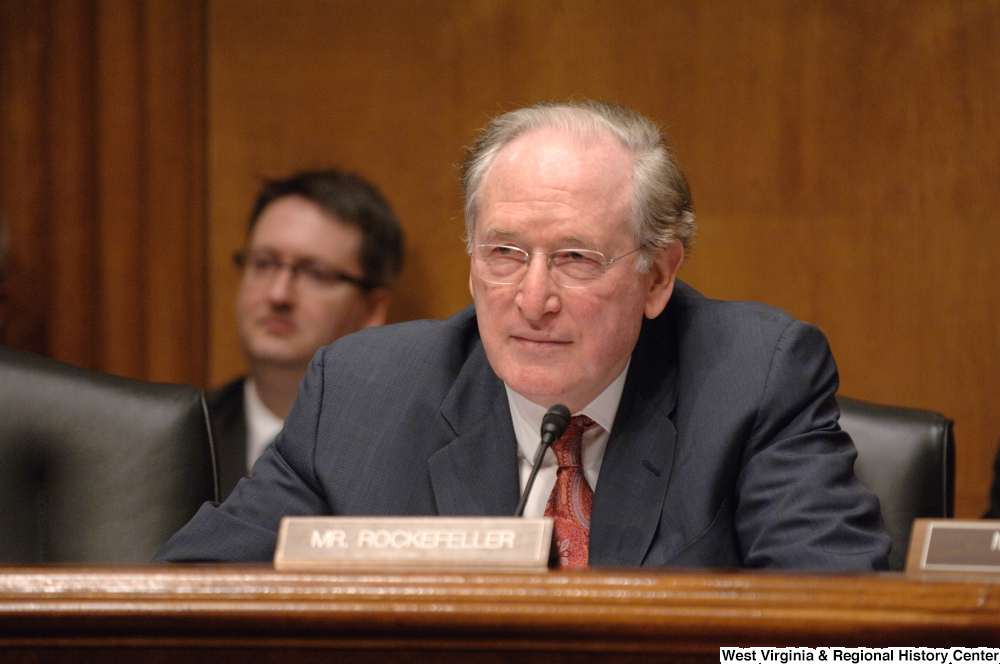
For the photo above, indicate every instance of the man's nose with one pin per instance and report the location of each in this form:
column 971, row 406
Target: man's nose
column 282, row 286
column 536, row 294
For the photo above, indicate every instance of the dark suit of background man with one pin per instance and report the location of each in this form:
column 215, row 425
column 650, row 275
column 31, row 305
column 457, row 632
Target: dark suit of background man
column 322, row 251
column 717, row 442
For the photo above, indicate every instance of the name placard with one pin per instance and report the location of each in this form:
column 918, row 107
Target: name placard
column 954, row 545
column 337, row 542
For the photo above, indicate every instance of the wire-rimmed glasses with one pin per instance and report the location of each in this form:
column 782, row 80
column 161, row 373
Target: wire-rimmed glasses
column 570, row 268
column 264, row 266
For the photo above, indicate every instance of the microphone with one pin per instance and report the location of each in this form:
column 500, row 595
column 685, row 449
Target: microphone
column 554, row 423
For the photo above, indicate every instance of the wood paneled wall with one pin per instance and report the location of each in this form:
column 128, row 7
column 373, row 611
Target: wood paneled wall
column 102, row 180
column 844, row 157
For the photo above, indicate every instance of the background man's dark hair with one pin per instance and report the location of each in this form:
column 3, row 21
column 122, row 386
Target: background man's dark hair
column 354, row 201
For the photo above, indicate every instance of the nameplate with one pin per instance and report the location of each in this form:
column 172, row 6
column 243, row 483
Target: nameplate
column 337, row 542
column 953, row 545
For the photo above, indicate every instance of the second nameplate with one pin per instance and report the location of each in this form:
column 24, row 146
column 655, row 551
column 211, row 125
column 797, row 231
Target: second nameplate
column 335, row 543
column 954, row 545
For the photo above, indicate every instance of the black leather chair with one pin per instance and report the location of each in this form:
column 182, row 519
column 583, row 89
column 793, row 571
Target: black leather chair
column 93, row 467
column 907, row 457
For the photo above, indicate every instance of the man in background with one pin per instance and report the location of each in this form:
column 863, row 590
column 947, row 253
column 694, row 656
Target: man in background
column 323, row 249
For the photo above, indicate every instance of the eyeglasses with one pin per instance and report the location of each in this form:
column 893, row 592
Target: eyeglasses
column 264, row 266
column 570, row 268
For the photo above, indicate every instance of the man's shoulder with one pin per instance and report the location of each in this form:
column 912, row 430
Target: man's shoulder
column 443, row 342
column 713, row 333
column 228, row 395
column 413, row 366
column 691, row 307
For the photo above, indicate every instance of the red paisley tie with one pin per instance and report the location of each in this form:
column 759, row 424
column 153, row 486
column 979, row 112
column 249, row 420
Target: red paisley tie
column 571, row 498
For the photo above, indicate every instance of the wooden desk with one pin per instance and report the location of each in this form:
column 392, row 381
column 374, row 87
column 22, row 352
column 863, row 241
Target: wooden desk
column 254, row 614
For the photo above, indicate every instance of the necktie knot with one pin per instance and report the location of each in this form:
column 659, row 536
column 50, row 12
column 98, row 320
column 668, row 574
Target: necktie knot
column 568, row 448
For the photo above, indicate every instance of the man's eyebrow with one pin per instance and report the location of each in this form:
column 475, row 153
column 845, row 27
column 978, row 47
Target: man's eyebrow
column 296, row 257
column 566, row 242
column 570, row 241
column 493, row 233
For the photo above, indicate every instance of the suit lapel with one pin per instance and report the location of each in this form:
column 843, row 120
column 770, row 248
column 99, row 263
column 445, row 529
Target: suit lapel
column 477, row 473
column 628, row 500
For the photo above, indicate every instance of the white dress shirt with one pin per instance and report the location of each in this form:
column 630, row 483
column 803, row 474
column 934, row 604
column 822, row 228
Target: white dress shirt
column 262, row 424
column 527, row 418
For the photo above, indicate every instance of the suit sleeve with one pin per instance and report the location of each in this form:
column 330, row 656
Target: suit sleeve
column 800, row 504
column 245, row 527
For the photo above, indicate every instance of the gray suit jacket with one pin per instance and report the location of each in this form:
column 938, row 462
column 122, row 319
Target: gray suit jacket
column 725, row 450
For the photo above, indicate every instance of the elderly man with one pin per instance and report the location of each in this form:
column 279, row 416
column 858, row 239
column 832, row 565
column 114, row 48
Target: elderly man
column 705, row 432
column 323, row 249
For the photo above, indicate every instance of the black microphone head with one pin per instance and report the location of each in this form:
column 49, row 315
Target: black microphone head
column 554, row 423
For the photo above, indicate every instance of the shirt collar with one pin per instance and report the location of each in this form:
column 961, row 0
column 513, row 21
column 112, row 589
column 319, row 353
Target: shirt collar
column 527, row 415
column 262, row 424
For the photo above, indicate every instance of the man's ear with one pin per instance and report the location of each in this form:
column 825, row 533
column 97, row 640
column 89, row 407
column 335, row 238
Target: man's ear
column 666, row 261
column 377, row 307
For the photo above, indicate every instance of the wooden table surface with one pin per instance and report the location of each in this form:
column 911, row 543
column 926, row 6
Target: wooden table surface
column 253, row 613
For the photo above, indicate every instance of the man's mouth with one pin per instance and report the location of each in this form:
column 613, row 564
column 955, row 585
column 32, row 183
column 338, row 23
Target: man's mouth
column 278, row 325
column 533, row 341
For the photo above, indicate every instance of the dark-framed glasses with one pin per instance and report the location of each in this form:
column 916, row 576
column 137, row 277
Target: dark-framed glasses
column 570, row 268
column 265, row 265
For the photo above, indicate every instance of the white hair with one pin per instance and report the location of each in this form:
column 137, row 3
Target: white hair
column 661, row 209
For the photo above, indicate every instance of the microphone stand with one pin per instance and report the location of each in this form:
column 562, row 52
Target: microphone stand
column 554, row 424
